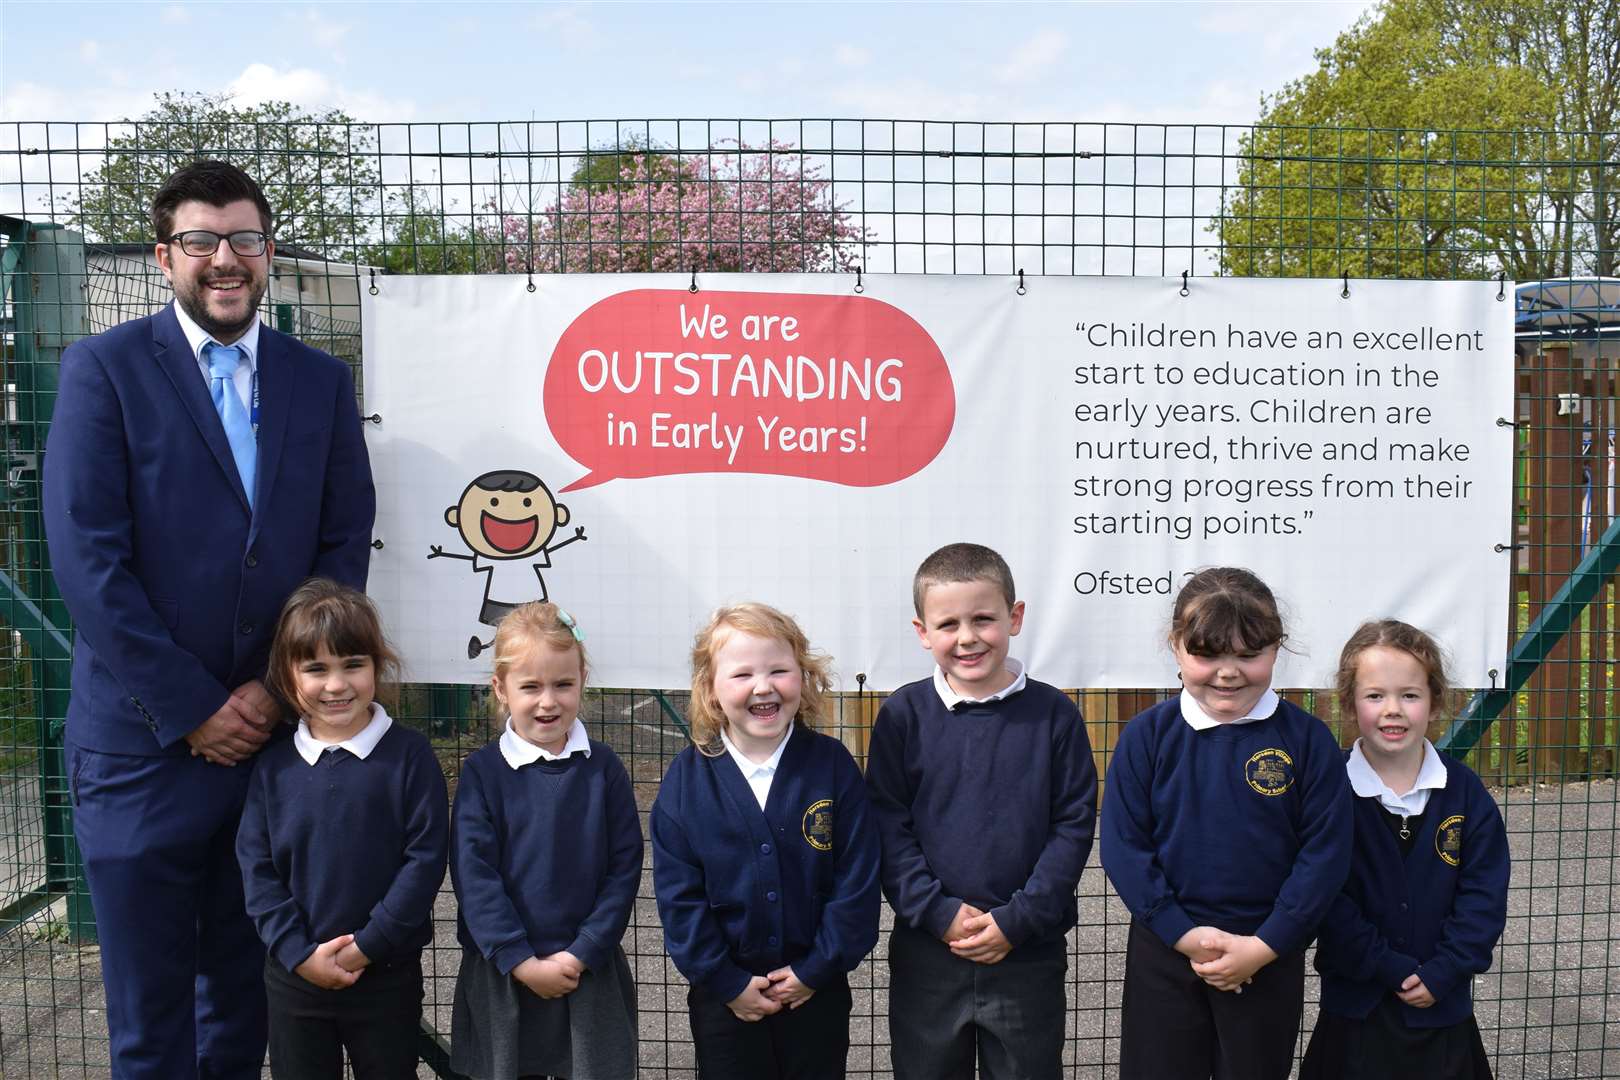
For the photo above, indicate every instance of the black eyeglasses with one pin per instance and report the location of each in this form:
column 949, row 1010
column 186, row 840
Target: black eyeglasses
column 201, row 243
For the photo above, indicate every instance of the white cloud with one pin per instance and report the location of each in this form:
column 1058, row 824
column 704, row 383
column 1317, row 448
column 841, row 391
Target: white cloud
column 851, row 56
column 26, row 102
column 1030, row 60
column 89, row 50
column 1220, row 101
column 315, row 91
column 915, row 99
column 565, row 23
column 1282, row 30
column 325, row 33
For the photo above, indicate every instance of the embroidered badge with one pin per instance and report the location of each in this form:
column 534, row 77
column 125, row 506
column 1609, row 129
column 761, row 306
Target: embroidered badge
column 1448, row 840
column 817, row 825
column 1270, row 771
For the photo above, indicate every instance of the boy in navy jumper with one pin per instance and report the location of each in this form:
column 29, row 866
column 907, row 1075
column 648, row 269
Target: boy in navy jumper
column 985, row 794
column 765, row 863
column 342, row 847
column 1226, row 831
column 1426, row 899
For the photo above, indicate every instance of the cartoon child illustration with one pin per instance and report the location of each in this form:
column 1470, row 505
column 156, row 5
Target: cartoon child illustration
column 506, row 518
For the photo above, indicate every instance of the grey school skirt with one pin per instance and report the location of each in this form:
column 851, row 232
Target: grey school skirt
column 500, row 1029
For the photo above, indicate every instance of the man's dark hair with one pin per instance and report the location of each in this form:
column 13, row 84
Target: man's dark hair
column 507, row 480
column 217, row 183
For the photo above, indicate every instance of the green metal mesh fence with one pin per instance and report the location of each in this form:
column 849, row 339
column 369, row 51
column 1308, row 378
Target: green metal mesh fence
column 877, row 197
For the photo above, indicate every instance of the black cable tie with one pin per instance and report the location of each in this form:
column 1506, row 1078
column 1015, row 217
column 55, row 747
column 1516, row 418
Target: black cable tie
column 1184, row 290
column 693, row 287
column 1492, row 673
column 1501, row 285
column 858, row 286
column 377, row 544
column 373, row 289
column 860, row 682
column 1021, row 289
column 531, row 279
column 1345, row 294
column 1499, row 548
column 374, row 418
column 1502, row 421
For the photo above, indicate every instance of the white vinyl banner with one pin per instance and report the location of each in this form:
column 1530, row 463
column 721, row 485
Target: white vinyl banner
column 640, row 453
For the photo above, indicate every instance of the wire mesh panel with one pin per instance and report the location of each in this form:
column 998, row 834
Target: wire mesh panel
column 868, row 196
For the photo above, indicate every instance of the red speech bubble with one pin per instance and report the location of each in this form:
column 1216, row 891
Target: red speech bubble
column 655, row 382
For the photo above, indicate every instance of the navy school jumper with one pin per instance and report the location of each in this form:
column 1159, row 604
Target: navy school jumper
column 743, row 892
column 346, row 845
column 993, row 804
column 544, row 858
column 1436, row 913
column 1244, row 827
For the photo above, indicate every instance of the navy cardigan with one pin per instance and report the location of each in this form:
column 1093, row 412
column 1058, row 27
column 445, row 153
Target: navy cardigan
column 1436, row 913
column 742, row 891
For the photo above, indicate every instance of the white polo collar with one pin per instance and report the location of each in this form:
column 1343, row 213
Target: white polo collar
column 1199, row 720
column 952, row 699
column 519, row 751
column 360, row 744
column 1367, row 784
column 750, row 768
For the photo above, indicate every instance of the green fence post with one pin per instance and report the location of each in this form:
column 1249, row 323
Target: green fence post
column 44, row 278
column 1544, row 634
column 448, row 708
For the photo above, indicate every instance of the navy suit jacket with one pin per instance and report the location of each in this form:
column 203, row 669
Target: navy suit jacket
column 173, row 582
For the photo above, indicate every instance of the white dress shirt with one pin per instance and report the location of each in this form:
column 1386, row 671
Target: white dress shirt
column 197, row 337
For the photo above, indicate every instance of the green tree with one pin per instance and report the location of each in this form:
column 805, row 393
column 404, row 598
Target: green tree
column 419, row 236
column 607, row 167
column 1439, row 138
column 319, row 170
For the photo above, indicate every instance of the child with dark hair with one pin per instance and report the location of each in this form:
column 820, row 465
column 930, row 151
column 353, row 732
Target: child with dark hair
column 985, row 794
column 1226, row 831
column 342, row 847
column 1427, row 896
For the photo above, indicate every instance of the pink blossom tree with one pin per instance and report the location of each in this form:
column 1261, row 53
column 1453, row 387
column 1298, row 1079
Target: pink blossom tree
column 742, row 209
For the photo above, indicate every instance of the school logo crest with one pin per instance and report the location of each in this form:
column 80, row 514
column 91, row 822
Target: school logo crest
column 817, row 825
column 1448, row 840
column 1270, row 771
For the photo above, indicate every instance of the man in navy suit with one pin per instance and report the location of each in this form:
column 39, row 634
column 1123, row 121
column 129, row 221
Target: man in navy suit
column 178, row 523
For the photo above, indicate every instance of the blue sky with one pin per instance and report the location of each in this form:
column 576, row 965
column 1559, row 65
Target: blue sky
column 1143, row 62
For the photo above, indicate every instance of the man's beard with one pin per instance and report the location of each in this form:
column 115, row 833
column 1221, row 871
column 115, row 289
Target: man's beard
column 195, row 302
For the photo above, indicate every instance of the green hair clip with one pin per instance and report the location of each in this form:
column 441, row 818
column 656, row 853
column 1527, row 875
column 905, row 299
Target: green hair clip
column 568, row 621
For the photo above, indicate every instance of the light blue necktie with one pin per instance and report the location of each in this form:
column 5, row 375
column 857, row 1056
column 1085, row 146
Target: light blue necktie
column 223, row 361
